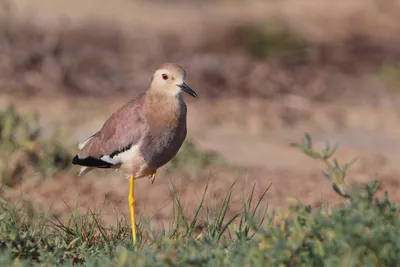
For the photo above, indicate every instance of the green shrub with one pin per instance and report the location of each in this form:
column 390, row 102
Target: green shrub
column 22, row 150
column 271, row 41
column 389, row 75
column 192, row 159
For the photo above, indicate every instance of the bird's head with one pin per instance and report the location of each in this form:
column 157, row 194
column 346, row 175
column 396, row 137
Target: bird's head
column 171, row 78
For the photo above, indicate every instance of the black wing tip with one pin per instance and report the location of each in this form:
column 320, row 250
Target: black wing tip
column 91, row 162
column 75, row 160
column 115, row 153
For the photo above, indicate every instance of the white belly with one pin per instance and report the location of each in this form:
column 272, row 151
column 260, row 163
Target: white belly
column 130, row 162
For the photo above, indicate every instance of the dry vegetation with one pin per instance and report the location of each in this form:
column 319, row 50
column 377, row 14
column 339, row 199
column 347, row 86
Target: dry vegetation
column 95, row 56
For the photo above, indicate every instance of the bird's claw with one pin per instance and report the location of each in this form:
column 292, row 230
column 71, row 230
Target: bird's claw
column 152, row 177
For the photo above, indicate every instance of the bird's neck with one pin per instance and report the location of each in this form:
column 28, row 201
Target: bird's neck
column 161, row 98
column 165, row 109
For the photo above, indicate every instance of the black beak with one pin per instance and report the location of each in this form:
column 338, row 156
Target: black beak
column 188, row 90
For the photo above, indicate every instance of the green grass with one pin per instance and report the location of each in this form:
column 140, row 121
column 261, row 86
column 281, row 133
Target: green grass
column 363, row 231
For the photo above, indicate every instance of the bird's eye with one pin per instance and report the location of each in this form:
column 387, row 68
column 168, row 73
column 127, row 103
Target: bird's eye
column 165, row 76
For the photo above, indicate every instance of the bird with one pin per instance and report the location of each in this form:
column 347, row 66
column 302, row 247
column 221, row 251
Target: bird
column 142, row 135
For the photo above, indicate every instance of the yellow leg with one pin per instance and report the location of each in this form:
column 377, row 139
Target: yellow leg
column 153, row 177
column 131, row 202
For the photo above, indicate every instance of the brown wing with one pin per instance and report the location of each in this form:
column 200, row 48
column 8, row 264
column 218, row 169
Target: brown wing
column 120, row 132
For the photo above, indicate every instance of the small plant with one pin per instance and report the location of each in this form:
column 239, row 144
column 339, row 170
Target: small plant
column 389, row 74
column 271, row 41
column 335, row 173
column 6, row 14
column 191, row 159
column 23, row 152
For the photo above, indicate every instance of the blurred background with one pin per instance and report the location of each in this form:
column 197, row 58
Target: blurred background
column 265, row 72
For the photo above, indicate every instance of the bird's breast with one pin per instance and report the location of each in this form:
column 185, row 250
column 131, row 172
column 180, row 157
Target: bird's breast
column 166, row 120
column 159, row 147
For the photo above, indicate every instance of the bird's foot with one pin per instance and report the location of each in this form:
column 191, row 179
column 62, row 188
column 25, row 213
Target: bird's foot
column 152, row 177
